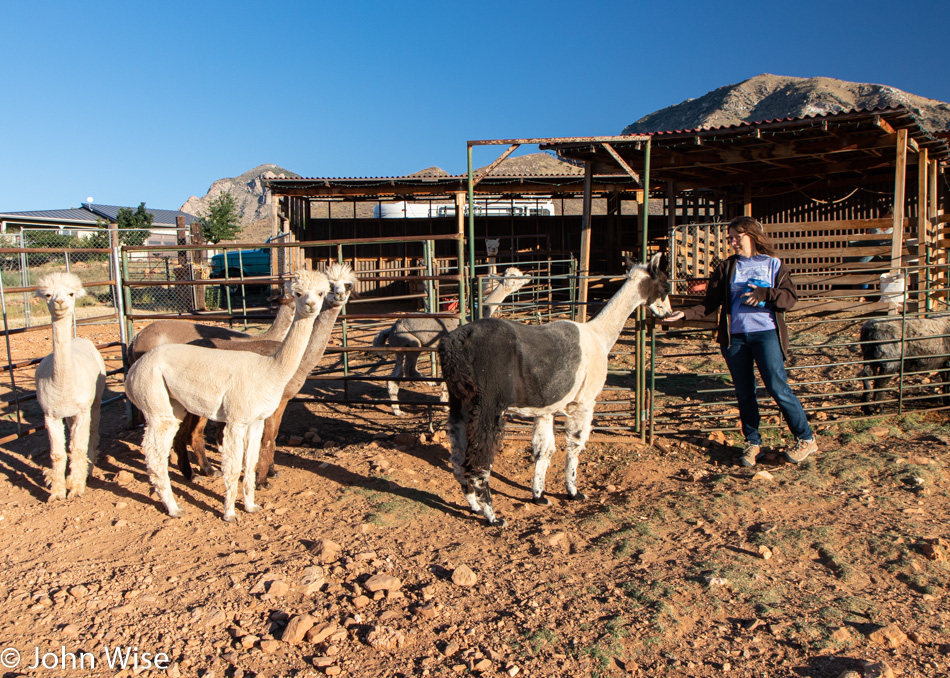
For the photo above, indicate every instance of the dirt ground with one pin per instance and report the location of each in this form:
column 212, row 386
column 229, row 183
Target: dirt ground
column 365, row 561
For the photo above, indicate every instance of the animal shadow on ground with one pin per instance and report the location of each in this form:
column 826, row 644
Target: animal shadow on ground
column 343, row 477
column 825, row 665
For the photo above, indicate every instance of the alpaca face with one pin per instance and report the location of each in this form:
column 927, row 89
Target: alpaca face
column 514, row 280
column 342, row 284
column 60, row 291
column 310, row 288
column 492, row 246
column 655, row 288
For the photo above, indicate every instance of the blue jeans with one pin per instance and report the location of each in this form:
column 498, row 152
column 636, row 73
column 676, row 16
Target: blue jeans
column 763, row 350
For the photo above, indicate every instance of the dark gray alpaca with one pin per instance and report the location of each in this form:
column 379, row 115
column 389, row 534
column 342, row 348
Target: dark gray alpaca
column 492, row 366
column 926, row 349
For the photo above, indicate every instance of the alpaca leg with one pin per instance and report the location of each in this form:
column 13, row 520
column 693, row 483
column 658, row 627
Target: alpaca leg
column 94, row 415
column 232, row 453
column 56, row 474
column 578, row 431
column 156, row 446
column 410, row 369
column 456, row 429
column 184, row 433
column 79, row 427
column 198, row 447
column 251, row 454
column 477, row 486
column 542, row 444
column 393, row 386
column 265, row 463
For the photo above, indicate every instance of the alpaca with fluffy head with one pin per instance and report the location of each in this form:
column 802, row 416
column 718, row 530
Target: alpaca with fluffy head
column 240, row 389
column 69, row 385
column 342, row 285
column 492, row 366
column 420, row 332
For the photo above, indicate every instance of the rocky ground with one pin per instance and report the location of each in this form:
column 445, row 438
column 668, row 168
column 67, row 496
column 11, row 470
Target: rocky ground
column 364, row 561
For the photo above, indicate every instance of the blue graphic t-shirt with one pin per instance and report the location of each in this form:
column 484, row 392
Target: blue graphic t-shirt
column 759, row 270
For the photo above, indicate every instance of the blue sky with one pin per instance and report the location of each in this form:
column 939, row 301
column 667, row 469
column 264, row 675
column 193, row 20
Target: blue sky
column 132, row 101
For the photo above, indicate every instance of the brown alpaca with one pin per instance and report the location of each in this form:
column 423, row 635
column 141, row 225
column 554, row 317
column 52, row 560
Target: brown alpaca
column 342, row 284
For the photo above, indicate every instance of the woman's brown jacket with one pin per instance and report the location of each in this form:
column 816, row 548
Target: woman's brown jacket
column 780, row 298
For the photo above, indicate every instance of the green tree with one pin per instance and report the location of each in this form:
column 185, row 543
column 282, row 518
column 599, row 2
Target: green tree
column 134, row 227
column 221, row 221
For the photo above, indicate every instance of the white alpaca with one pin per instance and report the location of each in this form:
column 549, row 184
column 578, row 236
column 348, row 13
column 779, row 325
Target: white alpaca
column 419, row 332
column 491, row 366
column 240, row 389
column 492, row 245
column 69, row 385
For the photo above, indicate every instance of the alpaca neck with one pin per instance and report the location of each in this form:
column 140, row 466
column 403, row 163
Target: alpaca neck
column 493, row 300
column 316, row 347
column 288, row 356
column 609, row 322
column 63, row 349
column 282, row 323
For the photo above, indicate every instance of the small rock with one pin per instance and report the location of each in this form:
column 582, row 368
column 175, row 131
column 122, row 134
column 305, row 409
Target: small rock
column 482, row 666
column 426, row 611
column 248, row 641
column 360, row 602
column 385, row 638
column 841, row 635
column 764, row 552
column 382, row 582
column 463, row 576
column 71, row 631
column 78, row 591
column 326, row 551
column 879, row 431
column 878, row 670
column 763, row 475
column 320, row 632
column 123, row 478
column 322, row 662
column 295, row 441
column 891, row 635
column 270, row 646
column 559, row 540
column 718, row 581
column 278, row 588
column 297, row 628
column 450, row 649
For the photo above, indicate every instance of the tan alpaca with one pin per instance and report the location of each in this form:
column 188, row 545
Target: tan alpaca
column 184, row 331
column 342, row 284
column 240, row 389
column 69, row 385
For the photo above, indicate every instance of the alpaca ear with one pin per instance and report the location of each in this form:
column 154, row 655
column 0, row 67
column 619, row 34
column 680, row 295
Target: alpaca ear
column 80, row 293
column 628, row 261
column 657, row 264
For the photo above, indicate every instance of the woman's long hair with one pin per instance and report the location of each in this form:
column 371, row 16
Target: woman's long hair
column 751, row 226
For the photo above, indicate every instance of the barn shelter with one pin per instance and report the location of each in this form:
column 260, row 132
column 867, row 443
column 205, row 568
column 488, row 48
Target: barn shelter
column 840, row 191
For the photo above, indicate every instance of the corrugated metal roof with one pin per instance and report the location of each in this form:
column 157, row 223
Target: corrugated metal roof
column 68, row 214
column 160, row 217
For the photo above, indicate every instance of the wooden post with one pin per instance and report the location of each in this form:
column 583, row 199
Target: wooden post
column 747, row 199
column 922, row 222
column 584, row 267
column 198, row 268
column 900, row 176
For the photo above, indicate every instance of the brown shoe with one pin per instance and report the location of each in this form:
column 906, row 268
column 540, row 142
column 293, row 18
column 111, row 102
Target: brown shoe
column 749, row 455
column 801, row 451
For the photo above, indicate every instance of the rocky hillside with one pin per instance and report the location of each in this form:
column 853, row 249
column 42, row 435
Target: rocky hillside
column 770, row 97
column 249, row 198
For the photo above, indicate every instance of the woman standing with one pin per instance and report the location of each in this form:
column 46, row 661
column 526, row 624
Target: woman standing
column 752, row 290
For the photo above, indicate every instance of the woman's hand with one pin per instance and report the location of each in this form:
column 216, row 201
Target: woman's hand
column 679, row 315
column 749, row 297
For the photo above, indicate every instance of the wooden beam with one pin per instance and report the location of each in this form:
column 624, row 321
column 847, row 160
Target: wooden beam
column 584, row 265
column 485, row 171
column 900, row 178
column 622, row 163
